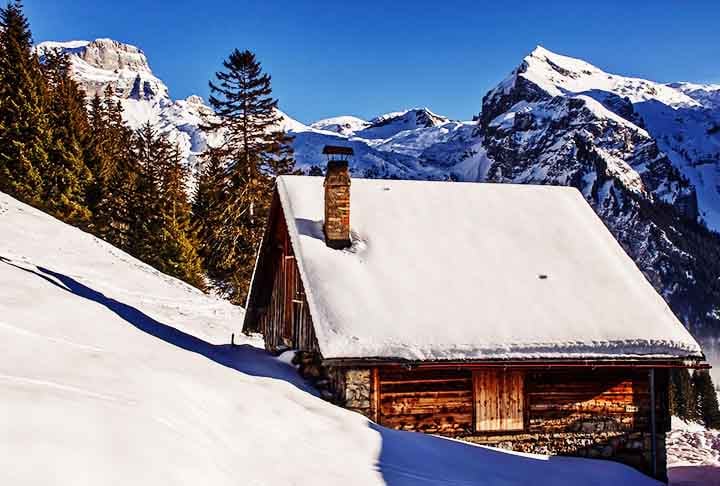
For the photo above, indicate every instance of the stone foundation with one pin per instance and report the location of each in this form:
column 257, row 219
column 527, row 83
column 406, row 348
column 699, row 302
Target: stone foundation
column 347, row 387
column 631, row 448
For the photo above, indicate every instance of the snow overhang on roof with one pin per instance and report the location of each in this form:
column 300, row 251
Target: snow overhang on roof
column 467, row 271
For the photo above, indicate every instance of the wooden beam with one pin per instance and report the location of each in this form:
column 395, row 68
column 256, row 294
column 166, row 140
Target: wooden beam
column 376, row 395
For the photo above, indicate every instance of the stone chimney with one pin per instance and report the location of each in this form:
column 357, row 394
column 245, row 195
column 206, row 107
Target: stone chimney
column 337, row 197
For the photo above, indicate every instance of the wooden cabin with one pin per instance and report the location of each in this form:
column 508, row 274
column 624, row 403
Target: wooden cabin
column 499, row 314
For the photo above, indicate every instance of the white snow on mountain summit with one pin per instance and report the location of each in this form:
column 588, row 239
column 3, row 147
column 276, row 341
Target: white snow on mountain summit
column 344, row 125
column 683, row 118
column 560, row 75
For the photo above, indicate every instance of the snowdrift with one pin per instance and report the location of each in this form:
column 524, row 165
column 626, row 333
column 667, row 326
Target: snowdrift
column 112, row 373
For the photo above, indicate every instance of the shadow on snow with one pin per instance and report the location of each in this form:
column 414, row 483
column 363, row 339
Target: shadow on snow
column 244, row 358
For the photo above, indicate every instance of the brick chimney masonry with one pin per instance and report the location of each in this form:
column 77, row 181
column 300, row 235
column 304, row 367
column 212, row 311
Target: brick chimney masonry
column 337, row 204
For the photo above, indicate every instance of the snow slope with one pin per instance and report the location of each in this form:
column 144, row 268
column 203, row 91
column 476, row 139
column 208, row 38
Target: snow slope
column 693, row 454
column 112, row 373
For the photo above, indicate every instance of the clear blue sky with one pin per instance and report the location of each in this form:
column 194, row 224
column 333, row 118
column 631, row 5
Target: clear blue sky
column 368, row 57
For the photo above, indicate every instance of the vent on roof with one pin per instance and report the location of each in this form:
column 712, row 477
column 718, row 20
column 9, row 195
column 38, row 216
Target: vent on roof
column 337, row 197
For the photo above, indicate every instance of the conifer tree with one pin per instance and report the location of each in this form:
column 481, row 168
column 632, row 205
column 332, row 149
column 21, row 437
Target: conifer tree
column 95, row 151
column 209, row 193
column 24, row 131
column 116, row 173
column 160, row 232
column 179, row 246
column 706, row 399
column 65, row 177
column 682, row 395
column 146, row 214
column 254, row 152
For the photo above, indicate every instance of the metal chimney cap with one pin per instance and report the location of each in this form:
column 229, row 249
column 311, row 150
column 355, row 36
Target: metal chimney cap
column 337, row 150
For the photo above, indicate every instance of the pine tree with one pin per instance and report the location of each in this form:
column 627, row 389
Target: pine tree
column 160, row 233
column 254, row 152
column 682, row 395
column 146, row 215
column 179, row 246
column 66, row 177
column 706, row 399
column 95, row 152
column 24, row 131
column 209, row 194
column 116, row 173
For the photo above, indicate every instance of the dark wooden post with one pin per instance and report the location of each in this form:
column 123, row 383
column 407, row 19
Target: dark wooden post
column 653, row 427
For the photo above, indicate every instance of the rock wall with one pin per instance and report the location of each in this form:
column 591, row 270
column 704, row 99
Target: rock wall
column 631, row 448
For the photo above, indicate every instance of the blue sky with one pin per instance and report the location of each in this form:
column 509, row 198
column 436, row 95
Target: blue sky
column 364, row 58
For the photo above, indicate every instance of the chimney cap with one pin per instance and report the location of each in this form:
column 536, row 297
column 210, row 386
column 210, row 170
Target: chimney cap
column 337, row 150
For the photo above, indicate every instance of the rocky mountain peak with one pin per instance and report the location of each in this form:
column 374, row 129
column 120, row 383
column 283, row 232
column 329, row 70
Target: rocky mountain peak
column 101, row 63
column 112, row 55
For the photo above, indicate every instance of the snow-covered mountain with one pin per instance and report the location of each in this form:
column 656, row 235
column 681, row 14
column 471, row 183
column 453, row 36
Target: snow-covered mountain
column 646, row 155
column 642, row 153
column 682, row 119
column 113, row 373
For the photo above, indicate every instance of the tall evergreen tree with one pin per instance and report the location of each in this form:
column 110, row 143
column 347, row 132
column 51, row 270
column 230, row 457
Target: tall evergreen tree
column 146, row 214
column 682, row 395
column 160, row 232
column 95, row 151
column 254, row 152
column 209, row 193
column 24, row 130
column 66, row 177
column 706, row 399
column 116, row 173
column 179, row 245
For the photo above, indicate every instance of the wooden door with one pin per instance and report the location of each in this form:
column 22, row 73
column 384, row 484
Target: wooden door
column 499, row 397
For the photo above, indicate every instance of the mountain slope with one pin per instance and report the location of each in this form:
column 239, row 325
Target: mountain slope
column 558, row 120
column 112, row 373
column 680, row 118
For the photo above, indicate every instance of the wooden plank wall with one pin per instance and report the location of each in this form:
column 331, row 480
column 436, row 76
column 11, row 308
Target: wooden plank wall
column 434, row 401
column 561, row 401
column 564, row 401
column 285, row 319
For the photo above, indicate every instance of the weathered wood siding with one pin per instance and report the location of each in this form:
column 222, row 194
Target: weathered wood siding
column 437, row 401
column 282, row 309
column 562, row 401
column 585, row 412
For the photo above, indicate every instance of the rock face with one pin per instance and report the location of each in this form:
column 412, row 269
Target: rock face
column 557, row 120
column 104, row 62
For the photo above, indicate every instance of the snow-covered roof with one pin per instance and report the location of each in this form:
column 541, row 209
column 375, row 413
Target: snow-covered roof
column 455, row 271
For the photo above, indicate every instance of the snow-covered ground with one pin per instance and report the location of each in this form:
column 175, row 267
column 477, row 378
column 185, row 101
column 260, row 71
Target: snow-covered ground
column 112, row 373
column 693, row 455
